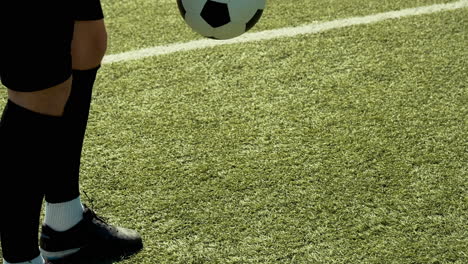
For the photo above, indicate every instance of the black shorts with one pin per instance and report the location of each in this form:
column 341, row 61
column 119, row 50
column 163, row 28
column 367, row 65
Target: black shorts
column 35, row 40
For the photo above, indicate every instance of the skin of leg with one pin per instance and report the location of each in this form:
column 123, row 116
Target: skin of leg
column 50, row 101
column 89, row 44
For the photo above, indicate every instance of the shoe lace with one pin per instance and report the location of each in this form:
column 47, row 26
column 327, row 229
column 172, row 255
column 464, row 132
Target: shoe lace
column 100, row 219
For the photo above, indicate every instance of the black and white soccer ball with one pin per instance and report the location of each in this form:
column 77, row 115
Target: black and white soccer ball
column 221, row 19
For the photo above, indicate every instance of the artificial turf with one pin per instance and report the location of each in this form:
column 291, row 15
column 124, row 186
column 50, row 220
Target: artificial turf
column 348, row 146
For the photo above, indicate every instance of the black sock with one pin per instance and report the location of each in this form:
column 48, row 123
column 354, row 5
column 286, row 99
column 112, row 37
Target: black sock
column 30, row 143
column 76, row 117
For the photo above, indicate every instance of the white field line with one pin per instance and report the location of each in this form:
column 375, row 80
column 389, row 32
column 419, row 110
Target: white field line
column 283, row 32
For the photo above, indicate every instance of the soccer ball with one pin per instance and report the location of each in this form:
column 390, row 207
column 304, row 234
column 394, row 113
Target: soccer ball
column 221, row 19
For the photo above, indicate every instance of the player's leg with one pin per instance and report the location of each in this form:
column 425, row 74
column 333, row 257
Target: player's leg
column 60, row 238
column 89, row 44
column 50, row 101
column 88, row 48
column 63, row 205
column 35, row 66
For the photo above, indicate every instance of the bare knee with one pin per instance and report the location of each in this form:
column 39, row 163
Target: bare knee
column 89, row 44
column 50, row 101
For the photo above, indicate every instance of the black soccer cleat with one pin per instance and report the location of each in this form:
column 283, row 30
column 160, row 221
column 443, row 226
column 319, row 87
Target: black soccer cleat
column 92, row 239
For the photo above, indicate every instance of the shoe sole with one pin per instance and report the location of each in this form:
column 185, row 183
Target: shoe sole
column 89, row 256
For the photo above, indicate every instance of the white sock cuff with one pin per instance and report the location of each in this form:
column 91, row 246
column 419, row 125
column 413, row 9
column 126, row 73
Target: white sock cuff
column 63, row 216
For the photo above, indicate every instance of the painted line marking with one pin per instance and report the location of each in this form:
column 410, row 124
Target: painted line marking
column 282, row 32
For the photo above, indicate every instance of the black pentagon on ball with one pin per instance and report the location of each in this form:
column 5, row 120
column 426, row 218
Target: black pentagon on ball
column 215, row 14
column 254, row 20
column 181, row 8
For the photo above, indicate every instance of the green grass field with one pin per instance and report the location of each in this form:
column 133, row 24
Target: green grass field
column 347, row 146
